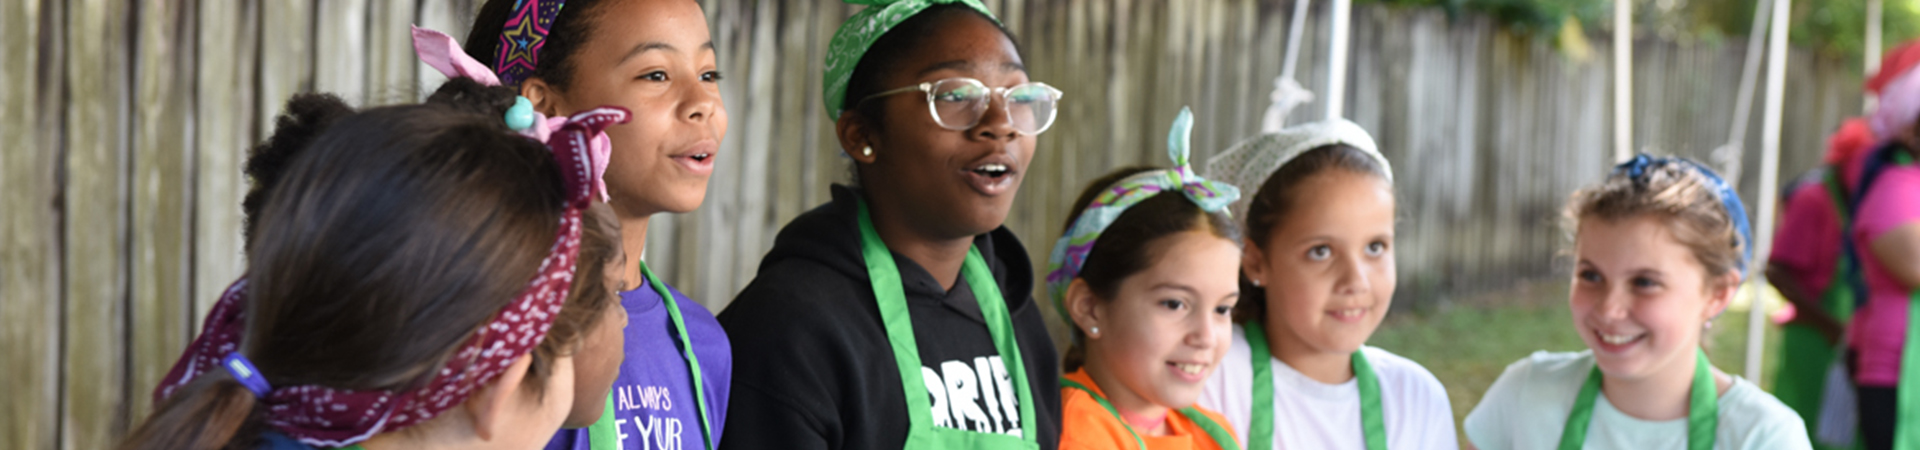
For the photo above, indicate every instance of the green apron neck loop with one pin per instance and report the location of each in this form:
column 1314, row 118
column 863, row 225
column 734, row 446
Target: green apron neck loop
column 888, row 293
column 602, row 435
column 1214, row 431
column 1373, row 422
column 1703, row 408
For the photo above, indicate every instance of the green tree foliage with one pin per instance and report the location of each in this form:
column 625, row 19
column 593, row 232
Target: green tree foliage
column 1836, row 28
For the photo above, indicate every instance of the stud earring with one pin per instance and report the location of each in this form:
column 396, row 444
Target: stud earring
column 1256, row 283
column 1095, row 332
column 866, row 151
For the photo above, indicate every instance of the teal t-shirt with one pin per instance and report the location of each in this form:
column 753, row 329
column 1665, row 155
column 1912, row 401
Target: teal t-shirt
column 1528, row 406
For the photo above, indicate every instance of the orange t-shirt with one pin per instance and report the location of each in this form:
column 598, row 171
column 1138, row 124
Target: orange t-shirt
column 1084, row 424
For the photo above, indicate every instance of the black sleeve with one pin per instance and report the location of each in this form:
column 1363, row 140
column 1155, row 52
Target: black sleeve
column 790, row 364
column 1043, row 372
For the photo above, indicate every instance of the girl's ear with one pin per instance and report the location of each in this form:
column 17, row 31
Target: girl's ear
column 856, row 138
column 1084, row 307
column 1720, row 294
column 491, row 406
column 545, row 98
column 1253, row 262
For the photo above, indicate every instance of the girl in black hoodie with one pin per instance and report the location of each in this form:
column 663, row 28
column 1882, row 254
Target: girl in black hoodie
column 899, row 315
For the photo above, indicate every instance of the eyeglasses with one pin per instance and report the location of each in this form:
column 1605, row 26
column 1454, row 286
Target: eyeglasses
column 959, row 103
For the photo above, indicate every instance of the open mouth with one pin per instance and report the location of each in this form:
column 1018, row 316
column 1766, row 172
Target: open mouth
column 1348, row 314
column 1188, row 372
column 994, row 171
column 990, row 178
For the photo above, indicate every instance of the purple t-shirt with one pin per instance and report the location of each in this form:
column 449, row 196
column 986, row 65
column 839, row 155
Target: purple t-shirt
column 653, row 399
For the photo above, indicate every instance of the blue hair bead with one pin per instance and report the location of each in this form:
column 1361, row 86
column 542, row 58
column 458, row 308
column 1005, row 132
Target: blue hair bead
column 520, row 116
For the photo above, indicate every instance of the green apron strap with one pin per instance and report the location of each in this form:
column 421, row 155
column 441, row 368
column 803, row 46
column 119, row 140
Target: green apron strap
column 1260, row 423
column 1137, row 442
column 890, row 297
column 1220, row 435
column 1908, row 391
column 1373, row 424
column 602, row 435
column 686, row 350
column 1703, row 408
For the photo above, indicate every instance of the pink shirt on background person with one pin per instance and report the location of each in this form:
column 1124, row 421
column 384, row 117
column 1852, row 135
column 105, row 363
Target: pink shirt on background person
column 1808, row 242
column 1879, row 329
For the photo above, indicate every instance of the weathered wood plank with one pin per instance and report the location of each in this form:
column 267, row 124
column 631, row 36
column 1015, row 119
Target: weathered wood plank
column 391, row 64
column 162, row 146
column 223, row 128
column 29, row 232
column 340, row 49
column 94, row 395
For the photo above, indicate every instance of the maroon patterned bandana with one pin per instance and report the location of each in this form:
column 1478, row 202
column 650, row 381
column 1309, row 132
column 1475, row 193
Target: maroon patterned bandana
column 330, row 417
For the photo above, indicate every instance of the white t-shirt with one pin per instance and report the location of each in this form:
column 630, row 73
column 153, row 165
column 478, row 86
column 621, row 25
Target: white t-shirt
column 1528, row 407
column 1308, row 414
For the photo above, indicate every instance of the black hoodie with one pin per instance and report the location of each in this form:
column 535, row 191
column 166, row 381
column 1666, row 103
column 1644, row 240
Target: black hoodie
column 812, row 365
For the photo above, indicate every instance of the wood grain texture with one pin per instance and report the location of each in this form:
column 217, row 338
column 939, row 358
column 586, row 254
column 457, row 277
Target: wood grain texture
column 94, row 317
column 30, row 262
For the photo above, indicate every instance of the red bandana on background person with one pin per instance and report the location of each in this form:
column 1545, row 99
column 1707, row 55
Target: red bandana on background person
column 324, row 416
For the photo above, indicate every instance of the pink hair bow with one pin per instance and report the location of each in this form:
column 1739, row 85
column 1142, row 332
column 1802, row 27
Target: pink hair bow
column 444, row 53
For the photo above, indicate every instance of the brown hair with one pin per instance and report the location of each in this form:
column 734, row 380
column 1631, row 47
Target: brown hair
column 1275, row 200
column 1130, row 244
column 389, row 238
column 1680, row 197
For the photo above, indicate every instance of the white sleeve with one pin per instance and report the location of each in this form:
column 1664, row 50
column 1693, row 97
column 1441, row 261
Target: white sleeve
column 1486, row 425
column 1440, row 434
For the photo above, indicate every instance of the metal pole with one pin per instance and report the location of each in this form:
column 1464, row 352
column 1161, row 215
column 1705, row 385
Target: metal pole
column 1743, row 101
column 1622, row 80
column 1769, row 179
column 1337, row 59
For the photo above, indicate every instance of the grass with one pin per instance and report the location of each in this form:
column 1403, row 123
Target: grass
column 1468, row 344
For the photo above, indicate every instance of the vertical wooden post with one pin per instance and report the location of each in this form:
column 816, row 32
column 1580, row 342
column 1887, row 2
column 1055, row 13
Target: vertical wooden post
column 94, row 315
column 30, row 269
column 162, row 148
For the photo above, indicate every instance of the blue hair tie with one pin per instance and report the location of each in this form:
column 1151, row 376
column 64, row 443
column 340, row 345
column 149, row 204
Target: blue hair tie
column 244, row 372
column 1636, row 169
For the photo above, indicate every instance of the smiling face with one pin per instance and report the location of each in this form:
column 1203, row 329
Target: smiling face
column 1327, row 267
column 1640, row 298
column 1167, row 327
column 954, row 183
column 655, row 58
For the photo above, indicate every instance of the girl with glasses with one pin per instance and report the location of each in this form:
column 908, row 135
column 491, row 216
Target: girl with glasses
column 899, row 314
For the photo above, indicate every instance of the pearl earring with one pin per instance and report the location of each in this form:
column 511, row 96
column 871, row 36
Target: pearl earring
column 1095, row 331
column 866, row 151
column 1256, row 283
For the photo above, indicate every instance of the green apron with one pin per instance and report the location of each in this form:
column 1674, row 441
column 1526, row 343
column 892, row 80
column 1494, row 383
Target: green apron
column 1213, row 429
column 1908, row 415
column 603, row 435
column 1703, row 408
column 1805, row 355
column 922, row 434
column 1373, row 425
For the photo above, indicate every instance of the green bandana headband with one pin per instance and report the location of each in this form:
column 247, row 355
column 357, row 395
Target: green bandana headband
column 1070, row 251
column 860, row 31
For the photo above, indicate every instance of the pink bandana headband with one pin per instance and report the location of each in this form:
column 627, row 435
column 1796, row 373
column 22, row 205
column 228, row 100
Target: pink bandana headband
column 330, row 417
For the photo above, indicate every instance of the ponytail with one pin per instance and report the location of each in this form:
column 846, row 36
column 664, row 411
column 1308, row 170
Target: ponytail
column 212, row 412
column 307, row 116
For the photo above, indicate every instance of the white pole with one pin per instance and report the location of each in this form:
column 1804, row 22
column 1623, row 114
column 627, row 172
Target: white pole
column 1872, row 51
column 1622, row 80
column 1743, row 101
column 1337, row 59
column 1769, row 180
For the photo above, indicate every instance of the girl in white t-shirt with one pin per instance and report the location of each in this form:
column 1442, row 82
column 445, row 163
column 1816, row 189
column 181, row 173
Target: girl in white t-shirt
column 1318, row 278
column 1660, row 246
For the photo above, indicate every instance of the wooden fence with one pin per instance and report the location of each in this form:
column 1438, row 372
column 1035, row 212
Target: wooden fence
column 125, row 123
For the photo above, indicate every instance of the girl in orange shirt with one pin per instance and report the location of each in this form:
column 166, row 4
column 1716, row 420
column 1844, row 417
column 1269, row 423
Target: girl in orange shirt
column 1146, row 271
